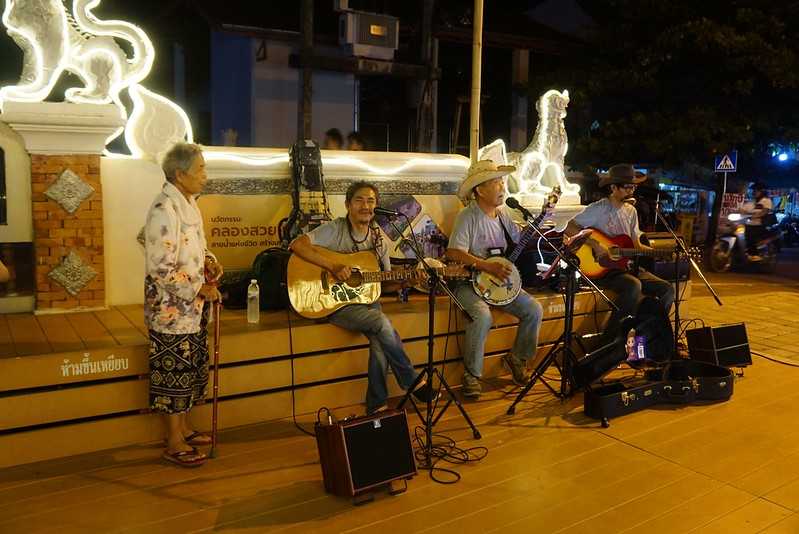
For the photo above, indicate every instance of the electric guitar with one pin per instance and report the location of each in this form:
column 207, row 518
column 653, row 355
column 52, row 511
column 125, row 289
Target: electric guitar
column 621, row 250
column 315, row 293
column 499, row 292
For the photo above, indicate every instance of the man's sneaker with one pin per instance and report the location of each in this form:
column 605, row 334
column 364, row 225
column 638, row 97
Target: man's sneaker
column 471, row 386
column 425, row 392
column 517, row 369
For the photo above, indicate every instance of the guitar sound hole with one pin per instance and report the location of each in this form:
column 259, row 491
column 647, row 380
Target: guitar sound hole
column 355, row 279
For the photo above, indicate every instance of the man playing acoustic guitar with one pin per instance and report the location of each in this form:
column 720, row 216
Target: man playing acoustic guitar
column 613, row 216
column 483, row 229
column 353, row 233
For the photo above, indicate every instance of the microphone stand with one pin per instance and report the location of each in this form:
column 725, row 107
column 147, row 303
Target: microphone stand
column 566, row 340
column 430, row 371
column 681, row 248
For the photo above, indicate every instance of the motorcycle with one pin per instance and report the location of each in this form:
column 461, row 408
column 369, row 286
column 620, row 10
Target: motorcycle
column 731, row 247
column 789, row 226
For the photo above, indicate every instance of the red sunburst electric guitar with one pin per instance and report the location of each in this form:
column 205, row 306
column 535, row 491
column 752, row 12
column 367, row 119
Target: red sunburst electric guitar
column 621, row 250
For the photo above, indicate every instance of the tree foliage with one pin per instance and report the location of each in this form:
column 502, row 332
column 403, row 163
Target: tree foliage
column 679, row 81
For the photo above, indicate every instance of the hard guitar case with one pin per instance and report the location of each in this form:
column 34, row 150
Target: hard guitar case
column 687, row 381
column 614, row 399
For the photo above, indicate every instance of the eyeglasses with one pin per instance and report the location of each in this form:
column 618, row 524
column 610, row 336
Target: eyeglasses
column 629, row 187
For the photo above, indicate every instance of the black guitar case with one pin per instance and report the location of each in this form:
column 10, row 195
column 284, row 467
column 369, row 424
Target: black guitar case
column 606, row 401
column 687, row 381
column 678, row 382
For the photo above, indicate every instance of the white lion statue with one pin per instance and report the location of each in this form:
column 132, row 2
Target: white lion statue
column 54, row 40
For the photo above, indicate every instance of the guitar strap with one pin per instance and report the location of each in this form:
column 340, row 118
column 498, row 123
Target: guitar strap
column 377, row 244
column 509, row 243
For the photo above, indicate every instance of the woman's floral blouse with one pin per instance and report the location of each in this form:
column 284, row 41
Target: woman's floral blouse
column 175, row 252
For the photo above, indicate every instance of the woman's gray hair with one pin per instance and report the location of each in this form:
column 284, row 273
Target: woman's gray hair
column 179, row 158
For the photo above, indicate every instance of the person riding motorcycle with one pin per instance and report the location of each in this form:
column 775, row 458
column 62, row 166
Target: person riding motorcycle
column 762, row 216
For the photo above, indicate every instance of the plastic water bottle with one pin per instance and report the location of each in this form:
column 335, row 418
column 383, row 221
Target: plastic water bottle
column 253, row 302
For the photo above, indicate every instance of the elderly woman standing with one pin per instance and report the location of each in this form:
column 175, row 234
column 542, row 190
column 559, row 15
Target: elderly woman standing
column 177, row 298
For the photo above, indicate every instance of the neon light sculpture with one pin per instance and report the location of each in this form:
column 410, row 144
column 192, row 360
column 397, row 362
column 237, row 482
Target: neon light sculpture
column 539, row 167
column 54, row 40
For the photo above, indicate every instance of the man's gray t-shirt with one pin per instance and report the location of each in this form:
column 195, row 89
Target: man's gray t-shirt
column 610, row 220
column 335, row 235
column 477, row 233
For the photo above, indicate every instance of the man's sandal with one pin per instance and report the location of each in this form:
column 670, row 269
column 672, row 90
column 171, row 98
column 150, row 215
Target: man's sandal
column 190, row 458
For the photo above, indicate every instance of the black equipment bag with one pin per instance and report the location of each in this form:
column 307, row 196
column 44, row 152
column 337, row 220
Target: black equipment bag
column 606, row 401
column 604, row 357
column 598, row 363
column 269, row 268
column 687, row 381
column 652, row 322
column 234, row 290
column 528, row 261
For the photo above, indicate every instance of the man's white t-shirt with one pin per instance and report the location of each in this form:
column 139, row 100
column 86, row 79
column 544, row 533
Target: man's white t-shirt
column 766, row 206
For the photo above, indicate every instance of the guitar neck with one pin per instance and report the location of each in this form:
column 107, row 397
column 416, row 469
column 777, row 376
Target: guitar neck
column 527, row 236
column 630, row 252
column 396, row 276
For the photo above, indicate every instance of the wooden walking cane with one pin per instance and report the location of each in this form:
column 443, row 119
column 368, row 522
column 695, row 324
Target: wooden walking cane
column 215, row 399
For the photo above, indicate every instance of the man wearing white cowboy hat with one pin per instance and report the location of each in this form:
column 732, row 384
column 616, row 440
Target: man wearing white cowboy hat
column 613, row 216
column 484, row 229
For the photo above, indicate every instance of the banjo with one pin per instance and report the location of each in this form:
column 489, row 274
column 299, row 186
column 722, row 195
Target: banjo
column 499, row 292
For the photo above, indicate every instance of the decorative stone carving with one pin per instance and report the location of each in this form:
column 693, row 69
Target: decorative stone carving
column 73, row 273
column 58, row 128
column 69, row 191
column 333, row 186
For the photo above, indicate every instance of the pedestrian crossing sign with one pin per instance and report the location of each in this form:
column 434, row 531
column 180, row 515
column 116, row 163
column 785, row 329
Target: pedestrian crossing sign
column 727, row 162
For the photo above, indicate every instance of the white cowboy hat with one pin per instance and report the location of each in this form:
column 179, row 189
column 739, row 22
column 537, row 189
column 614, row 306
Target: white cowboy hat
column 479, row 172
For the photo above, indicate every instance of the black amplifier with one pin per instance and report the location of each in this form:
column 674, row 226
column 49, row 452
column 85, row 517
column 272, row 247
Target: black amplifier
column 361, row 454
column 663, row 267
column 726, row 345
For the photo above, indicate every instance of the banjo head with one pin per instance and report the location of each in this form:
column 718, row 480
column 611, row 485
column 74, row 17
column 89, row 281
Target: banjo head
column 495, row 291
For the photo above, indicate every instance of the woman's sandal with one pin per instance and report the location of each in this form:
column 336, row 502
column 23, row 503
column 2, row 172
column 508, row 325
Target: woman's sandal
column 190, row 458
column 198, row 438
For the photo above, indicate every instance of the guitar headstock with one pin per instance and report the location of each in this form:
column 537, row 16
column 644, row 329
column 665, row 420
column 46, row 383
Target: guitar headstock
column 696, row 253
column 552, row 200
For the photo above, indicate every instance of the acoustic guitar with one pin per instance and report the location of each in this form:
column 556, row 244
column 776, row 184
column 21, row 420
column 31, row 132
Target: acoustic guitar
column 621, row 250
column 315, row 293
column 500, row 292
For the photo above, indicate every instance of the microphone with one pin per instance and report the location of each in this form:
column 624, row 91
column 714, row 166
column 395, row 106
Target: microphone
column 513, row 203
column 386, row 212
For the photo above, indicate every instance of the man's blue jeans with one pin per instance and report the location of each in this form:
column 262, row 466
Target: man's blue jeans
column 385, row 349
column 524, row 306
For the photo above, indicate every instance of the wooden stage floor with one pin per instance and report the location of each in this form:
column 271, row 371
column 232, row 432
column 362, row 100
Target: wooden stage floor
column 25, row 334
column 728, row 468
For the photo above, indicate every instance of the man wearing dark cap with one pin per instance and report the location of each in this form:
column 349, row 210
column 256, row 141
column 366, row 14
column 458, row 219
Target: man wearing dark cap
column 614, row 216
